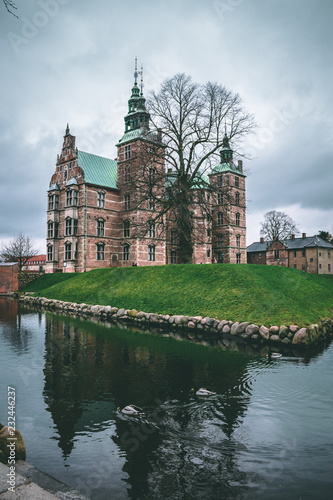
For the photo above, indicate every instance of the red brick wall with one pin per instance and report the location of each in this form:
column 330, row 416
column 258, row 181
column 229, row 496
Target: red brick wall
column 8, row 278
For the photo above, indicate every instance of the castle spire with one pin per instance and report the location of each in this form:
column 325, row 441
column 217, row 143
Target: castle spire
column 67, row 130
column 137, row 113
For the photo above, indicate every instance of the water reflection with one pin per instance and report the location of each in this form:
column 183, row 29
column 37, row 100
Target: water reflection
column 235, row 444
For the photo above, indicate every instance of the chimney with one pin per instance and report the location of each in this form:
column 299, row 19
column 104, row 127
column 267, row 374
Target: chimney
column 240, row 165
column 262, row 240
column 303, row 235
column 292, row 236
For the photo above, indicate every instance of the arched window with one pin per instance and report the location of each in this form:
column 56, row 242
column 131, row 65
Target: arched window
column 237, row 219
column 220, row 219
column 238, row 240
column 126, row 253
column 127, row 201
column 151, row 253
column 126, row 228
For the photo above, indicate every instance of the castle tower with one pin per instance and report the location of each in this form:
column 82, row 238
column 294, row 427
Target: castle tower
column 228, row 209
column 141, row 173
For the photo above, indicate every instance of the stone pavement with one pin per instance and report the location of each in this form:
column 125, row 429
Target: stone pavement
column 32, row 484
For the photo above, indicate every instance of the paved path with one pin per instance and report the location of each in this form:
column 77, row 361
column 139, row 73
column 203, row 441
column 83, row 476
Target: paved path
column 32, row 484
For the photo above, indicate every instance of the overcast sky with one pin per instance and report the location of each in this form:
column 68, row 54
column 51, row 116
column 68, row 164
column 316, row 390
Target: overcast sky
column 72, row 61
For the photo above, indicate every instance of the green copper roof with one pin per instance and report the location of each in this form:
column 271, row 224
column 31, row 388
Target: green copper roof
column 98, row 170
column 226, row 167
column 130, row 135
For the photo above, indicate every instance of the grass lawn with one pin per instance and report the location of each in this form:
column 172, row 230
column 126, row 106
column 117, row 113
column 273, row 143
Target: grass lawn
column 259, row 294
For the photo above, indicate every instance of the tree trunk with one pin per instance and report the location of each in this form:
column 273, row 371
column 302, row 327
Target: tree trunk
column 184, row 224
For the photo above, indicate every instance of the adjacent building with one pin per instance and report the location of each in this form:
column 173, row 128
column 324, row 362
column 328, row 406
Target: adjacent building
column 308, row 253
column 95, row 217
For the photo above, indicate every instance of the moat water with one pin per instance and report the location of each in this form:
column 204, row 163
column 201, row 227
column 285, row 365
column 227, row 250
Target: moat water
column 267, row 433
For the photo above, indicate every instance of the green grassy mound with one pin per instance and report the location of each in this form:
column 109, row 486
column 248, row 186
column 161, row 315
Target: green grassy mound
column 259, row 294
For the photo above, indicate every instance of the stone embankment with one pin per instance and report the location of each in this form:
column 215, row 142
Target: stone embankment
column 194, row 325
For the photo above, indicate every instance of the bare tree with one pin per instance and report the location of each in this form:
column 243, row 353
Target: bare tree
column 20, row 249
column 9, row 4
column 278, row 225
column 193, row 120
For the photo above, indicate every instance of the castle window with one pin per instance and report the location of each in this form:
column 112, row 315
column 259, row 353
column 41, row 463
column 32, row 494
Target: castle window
column 276, row 254
column 126, row 228
column 68, row 227
column 237, row 199
column 238, row 258
column 208, row 253
column 295, row 253
column 49, row 252
column 303, row 252
column 127, row 151
column 50, row 230
column 127, row 173
column 68, row 251
column 173, row 236
column 127, row 201
column 53, row 202
column 220, row 219
column 71, row 227
column 151, row 253
column 152, row 173
column 173, row 258
column 329, row 268
column 220, row 180
column 220, row 199
column 329, row 254
column 259, row 256
column 238, row 240
column 100, row 251
column 101, row 199
column 126, row 252
column 71, row 197
column 220, row 240
column 236, row 181
column 151, row 203
column 100, row 228
column 151, row 230
column 237, row 219
column 220, row 257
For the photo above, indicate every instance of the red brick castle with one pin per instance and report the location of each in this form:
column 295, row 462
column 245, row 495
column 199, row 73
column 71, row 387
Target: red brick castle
column 95, row 219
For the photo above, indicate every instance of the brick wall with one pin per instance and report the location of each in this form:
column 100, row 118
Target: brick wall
column 8, row 278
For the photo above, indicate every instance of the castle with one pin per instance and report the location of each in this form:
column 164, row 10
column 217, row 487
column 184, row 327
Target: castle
column 95, row 219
